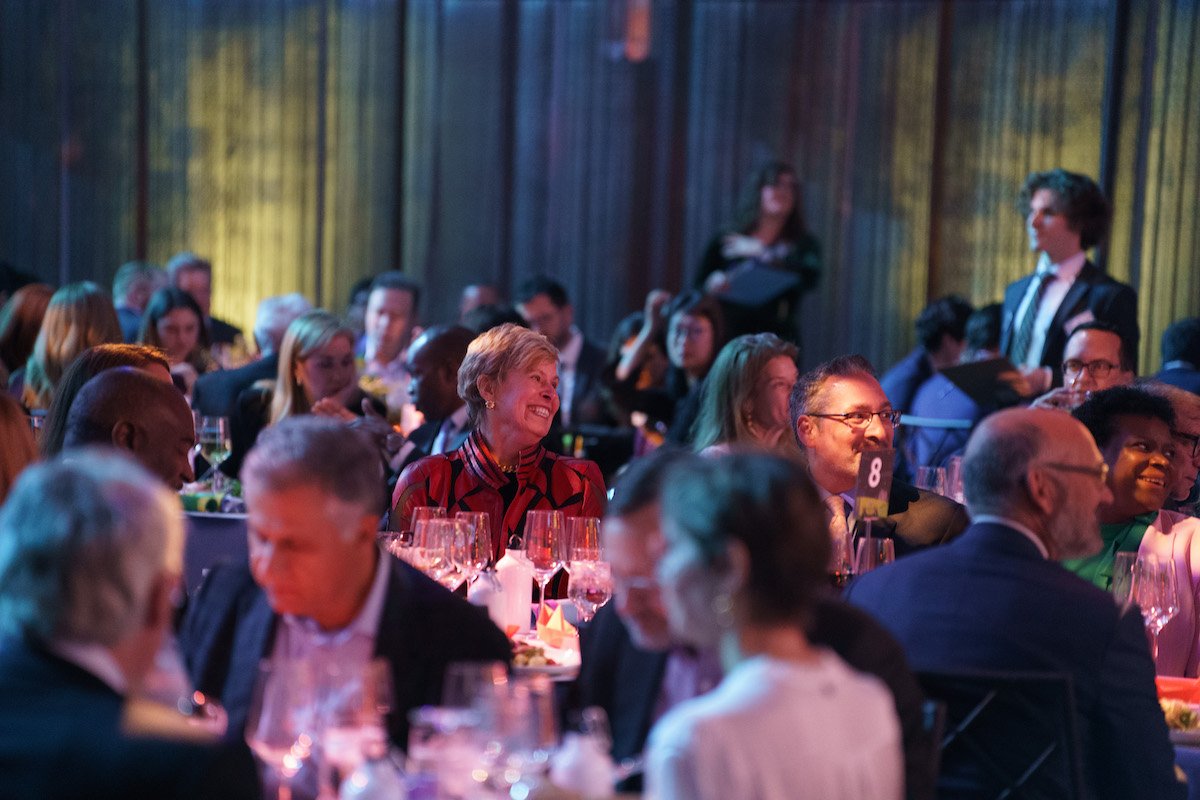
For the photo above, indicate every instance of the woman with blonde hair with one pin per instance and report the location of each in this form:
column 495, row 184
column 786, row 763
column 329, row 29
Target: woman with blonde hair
column 744, row 402
column 79, row 316
column 509, row 380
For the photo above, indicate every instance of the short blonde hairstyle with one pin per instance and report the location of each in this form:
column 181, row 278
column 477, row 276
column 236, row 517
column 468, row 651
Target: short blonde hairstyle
column 494, row 354
column 307, row 334
column 79, row 316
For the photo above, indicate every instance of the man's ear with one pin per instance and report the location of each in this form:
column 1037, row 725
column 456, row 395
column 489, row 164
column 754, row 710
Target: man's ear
column 806, row 430
column 1042, row 491
column 126, row 436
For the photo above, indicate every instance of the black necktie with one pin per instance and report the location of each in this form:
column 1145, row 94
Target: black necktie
column 1023, row 335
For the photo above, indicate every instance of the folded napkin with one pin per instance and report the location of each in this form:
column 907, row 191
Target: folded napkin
column 553, row 629
column 1185, row 689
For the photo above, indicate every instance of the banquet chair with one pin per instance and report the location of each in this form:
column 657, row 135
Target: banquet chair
column 1007, row 735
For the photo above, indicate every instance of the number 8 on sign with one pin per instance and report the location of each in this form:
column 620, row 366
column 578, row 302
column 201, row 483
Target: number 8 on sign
column 874, row 483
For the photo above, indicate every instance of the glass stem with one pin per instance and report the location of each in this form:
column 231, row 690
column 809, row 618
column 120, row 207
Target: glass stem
column 541, row 600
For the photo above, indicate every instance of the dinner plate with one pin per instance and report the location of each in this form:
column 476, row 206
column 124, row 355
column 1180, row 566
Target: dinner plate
column 1191, row 737
column 556, row 672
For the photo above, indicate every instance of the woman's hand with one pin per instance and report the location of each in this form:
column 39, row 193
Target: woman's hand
column 656, row 301
column 735, row 245
column 331, row 407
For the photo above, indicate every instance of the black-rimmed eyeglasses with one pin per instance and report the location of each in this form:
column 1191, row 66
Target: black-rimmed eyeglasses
column 1100, row 471
column 861, row 419
column 1098, row 369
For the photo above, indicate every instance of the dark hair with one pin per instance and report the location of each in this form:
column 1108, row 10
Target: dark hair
column 484, row 318
column 1181, row 341
column 770, row 505
column 946, row 315
column 1086, row 208
column 812, row 382
column 398, row 281
column 163, row 302
column 983, row 328
column 697, row 304
column 640, row 482
column 20, row 321
column 750, row 203
column 1097, row 413
column 541, row 284
column 1125, row 349
column 87, row 365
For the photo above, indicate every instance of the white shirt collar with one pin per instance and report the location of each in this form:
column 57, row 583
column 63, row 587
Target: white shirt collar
column 568, row 356
column 1066, row 270
column 1026, row 532
column 94, row 659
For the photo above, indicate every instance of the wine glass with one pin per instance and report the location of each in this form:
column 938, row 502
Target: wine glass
column 583, row 535
column 1122, row 579
column 931, row 479
column 1155, row 592
column 873, row 551
column 545, row 547
column 433, row 544
column 475, row 550
column 282, row 719
column 590, row 587
column 354, row 701
column 213, row 444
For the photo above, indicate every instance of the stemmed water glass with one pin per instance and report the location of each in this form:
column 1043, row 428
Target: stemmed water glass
column 1155, row 592
column 433, row 550
column 213, row 444
column 545, row 547
column 583, row 534
column 590, row 587
column 353, row 704
column 400, row 543
column 282, row 719
column 474, row 548
column 1122, row 579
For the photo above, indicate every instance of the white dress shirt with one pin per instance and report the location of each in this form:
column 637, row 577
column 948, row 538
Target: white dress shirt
column 1055, row 292
column 568, row 360
column 449, row 429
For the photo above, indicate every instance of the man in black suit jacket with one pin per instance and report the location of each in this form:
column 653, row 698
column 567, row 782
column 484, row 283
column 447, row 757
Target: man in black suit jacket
column 432, row 361
column 628, row 650
column 996, row 599
column 216, row 393
column 319, row 589
column 838, row 409
column 1066, row 215
column 85, row 601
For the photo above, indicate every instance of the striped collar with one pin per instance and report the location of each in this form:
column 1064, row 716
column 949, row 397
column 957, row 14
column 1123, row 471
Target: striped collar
column 480, row 461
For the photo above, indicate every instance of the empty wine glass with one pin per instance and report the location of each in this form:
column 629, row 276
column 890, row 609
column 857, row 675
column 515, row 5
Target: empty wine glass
column 213, row 445
column 590, row 587
column 931, row 479
column 873, row 551
column 354, row 702
column 1122, row 579
column 1155, row 592
column 545, row 547
column 282, row 719
column 583, row 534
column 475, row 548
column 433, row 545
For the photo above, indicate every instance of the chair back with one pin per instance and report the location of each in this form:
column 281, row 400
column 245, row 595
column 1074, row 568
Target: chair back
column 1007, row 735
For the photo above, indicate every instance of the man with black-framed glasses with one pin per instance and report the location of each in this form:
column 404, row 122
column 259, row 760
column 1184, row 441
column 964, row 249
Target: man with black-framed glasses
column 1095, row 358
column 838, row 410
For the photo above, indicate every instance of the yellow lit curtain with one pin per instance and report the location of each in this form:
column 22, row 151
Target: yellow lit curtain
column 304, row 144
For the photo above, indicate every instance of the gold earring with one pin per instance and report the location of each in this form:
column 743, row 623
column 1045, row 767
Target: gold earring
column 490, row 405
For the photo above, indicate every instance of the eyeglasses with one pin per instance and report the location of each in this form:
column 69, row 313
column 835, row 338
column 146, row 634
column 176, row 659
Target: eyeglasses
column 861, row 419
column 1100, row 471
column 1192, row 442
column 1097, row 369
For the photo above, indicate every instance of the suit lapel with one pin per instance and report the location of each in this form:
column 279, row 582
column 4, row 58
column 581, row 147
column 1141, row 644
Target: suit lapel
column 1073, row 303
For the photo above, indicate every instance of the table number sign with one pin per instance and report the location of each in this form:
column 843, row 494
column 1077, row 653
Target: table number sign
column 874, row 483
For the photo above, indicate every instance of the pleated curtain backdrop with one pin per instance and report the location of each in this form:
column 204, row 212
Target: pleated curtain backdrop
column 305, row 144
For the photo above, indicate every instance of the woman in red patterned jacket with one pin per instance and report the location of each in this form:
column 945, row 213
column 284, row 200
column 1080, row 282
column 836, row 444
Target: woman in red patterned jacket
column 509, row 381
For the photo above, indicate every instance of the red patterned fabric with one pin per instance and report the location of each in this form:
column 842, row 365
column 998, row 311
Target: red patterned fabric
column 470, row 479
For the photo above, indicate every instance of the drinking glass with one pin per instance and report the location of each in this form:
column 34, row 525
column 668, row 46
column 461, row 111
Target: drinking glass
column 583, row 536
column 873, row 551
column 353, row 703
column 1122, row 579
column 433, row 550
column 545, row 547
column 213, row 444
column 1155, row 592
column 954, row 479
column 590, row 587
column 932, row 479
column 475, row 552
column 282, row 719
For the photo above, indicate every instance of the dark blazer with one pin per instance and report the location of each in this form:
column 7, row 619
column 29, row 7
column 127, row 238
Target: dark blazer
column 1108, row 299
column 918, row 519
column 423, row 437
column 625, row 680
column 587, row 396
column 230, row 626
column 990, row 602
column 221, row 332
column 1181, row 377
column 61, row 737
column 216, row 393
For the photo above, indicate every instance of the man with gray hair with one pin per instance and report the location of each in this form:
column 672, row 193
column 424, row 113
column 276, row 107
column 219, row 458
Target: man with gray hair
column 318, row 588
column 133, row 284
column 91, row 557
column 215, row 394
column 996, row 600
